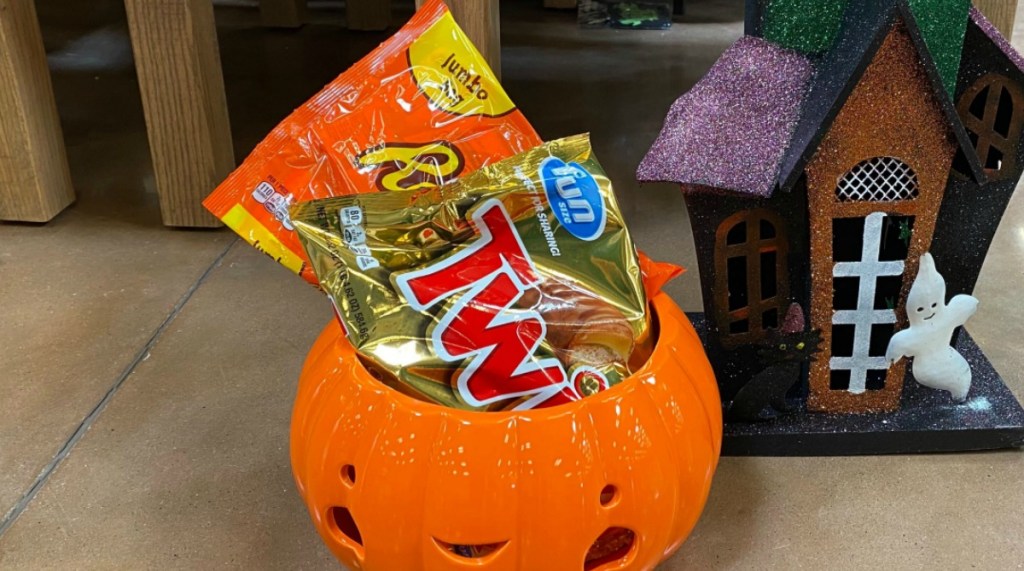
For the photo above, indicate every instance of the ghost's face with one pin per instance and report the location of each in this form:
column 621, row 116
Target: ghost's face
column 927, row 298
column 924, row 308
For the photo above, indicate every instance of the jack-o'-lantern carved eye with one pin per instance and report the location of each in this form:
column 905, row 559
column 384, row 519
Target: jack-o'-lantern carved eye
column 348, row 474
column 800, row 346
column 609, row 496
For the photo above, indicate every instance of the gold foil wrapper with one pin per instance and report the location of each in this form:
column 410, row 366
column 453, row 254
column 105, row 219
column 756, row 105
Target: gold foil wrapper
column 584, row 305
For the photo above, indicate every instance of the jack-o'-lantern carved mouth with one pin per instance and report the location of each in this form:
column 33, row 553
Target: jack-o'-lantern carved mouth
column 615, row 545
column 482, row 553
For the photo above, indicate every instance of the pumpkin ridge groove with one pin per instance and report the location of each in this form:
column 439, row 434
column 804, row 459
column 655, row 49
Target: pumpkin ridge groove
column 677, row 470
column 691, row 388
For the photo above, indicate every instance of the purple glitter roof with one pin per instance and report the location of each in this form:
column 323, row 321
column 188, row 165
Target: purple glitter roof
column 731, row 130
column 993, row 33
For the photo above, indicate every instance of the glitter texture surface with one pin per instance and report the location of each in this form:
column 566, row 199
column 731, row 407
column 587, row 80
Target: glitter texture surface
column 943, row 24
column 893, row 112
column 990, row 30
column 971, row 212
column 834, row 77
column 730, row 131
column 794, row 322
column 927, row 421
column 808, row 26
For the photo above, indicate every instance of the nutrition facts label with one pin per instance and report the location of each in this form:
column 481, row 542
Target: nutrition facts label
column 354, row 236
column 275, row 202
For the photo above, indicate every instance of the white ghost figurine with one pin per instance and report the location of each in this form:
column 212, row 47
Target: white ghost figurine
column 932, row 321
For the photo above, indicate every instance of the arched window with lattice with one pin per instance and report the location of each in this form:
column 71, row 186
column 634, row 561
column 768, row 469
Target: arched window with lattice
column 881, row 179
column 751, row 275
column 991, row 112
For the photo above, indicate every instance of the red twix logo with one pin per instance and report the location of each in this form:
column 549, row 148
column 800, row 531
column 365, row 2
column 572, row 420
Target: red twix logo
column 494, row 271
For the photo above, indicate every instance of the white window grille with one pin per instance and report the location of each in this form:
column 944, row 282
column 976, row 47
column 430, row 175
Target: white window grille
column 881, row 179
column 868, row 269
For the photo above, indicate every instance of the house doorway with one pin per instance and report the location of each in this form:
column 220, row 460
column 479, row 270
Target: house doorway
column 869, row 256
column 870, row 219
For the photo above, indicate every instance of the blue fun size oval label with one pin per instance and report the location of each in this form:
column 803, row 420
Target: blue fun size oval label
column 574, row 197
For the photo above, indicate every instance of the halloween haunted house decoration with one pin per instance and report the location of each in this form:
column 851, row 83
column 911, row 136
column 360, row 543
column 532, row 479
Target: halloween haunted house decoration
column 821, row 156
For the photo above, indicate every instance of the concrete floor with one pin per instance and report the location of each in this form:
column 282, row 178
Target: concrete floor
column 148, row 374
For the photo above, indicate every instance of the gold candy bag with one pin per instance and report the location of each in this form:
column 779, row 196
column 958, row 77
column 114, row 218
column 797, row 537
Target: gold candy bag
column 517, row 286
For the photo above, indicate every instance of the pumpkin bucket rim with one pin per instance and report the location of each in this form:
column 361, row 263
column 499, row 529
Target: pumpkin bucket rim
column 659, row 306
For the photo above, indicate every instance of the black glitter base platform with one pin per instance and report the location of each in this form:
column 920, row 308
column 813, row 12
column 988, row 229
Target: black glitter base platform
column 928, row 421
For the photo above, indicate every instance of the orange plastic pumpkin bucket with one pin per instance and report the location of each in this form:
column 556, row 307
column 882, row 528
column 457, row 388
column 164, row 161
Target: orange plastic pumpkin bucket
column 395, row 484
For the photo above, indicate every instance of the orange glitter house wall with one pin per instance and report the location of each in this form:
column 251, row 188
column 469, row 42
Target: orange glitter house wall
column 878, row 176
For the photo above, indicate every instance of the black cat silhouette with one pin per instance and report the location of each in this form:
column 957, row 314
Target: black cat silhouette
column 782, row 355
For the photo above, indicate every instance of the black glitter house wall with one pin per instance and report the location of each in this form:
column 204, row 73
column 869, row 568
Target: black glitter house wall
column 734, row 362
column 990, row 102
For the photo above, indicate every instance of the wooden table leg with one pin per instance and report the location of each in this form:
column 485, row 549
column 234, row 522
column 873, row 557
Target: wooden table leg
column 35, row 183
column 481, row 22
column 1002, row 13
column 368, row 14
column 283, row 13
column 178, row 63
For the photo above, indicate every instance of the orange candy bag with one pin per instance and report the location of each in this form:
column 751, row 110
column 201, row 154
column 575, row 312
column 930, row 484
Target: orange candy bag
column 420, row 110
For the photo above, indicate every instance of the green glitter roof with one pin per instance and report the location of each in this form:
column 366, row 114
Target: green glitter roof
column 943, row 24
column 808, row 26
column 812, row 26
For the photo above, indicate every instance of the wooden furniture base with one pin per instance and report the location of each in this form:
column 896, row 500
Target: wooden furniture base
column 1002, row 13
column 178, row 63
column 35, row 183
